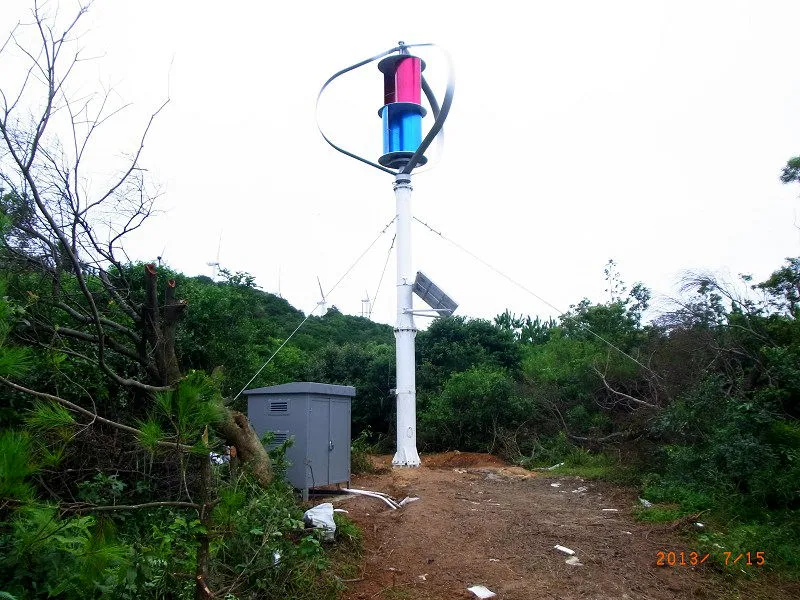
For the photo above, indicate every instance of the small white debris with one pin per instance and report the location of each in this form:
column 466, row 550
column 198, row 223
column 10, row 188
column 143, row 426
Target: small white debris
column 423, row 577
column 700, row 525
column 481, row 591
column 627, row 533
column 553, row 468
column 610, row 509
column 573, row 560
column 555, row 485
column 341, row 510
column 494, row 560
column 580, row 490
column 460, row 471
column 645, row 503
column 564, row 549
column 276, row 558
column 407, row 500
column 719, row 546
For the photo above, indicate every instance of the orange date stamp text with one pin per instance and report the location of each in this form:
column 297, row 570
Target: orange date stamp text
column 671, row 558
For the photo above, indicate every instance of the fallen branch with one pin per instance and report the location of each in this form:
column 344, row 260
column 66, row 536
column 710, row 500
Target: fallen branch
column 77, row 508
column 622, row 394
column 88, row 413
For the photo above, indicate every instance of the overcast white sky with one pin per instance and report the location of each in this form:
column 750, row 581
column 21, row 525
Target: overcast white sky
column 650, row 132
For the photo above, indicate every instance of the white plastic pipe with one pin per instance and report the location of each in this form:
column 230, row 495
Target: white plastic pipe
column 405, row 331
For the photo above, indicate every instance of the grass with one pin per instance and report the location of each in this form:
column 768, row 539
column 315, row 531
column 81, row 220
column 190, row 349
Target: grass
column 728, row 526
column 345, row 556
column 587, row 465
column 659, row 513
column 348, row 534
column 396, row 592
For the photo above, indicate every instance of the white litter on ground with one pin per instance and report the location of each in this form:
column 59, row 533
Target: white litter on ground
column 581, row 489
column 645, row 503
column 564, row 549
column 556, row 485
column 321, row 517
column 553, row 468
column 573, row 560
column 481, row 591
column 610, row 509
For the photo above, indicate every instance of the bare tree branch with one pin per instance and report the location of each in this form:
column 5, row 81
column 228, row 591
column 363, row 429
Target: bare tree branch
column 80, row 507
column 628, row 397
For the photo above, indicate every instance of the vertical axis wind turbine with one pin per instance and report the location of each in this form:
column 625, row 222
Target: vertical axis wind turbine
column 403, row 150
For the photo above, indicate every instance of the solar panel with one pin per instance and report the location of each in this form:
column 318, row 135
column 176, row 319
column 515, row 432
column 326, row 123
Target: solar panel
column 433, row 296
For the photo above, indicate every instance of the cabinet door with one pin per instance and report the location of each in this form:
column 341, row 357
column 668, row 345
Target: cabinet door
column 318, row 442
column 339, row 461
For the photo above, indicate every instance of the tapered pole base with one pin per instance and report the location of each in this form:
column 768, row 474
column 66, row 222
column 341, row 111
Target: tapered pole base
column 405, row 331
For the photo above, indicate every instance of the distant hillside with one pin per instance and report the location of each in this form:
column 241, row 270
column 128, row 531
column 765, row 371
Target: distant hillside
column 234, row 327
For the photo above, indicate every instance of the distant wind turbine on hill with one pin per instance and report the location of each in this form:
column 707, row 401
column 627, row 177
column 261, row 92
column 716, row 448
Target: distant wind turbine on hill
column 215, row 264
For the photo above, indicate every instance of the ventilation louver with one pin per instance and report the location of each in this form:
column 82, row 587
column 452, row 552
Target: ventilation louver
column 278, row 406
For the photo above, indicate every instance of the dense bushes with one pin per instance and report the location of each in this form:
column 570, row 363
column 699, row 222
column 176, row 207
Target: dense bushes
column 470, row 410
column 258, row 543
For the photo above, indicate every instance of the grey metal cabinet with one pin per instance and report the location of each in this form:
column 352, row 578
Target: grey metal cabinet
column 318, row 416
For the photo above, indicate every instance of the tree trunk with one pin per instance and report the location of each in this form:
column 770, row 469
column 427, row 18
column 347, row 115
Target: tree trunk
column 173, row 311
column 160, row 326
column 238, row 432
column 202, row 591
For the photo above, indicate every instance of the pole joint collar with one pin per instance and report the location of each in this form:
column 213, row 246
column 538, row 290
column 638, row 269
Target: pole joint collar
column 402, row 180
column 399, row 329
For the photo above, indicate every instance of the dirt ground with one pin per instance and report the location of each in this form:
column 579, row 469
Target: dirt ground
column 482, row 522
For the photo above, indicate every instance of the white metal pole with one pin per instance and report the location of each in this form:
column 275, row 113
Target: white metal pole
column 405, row 331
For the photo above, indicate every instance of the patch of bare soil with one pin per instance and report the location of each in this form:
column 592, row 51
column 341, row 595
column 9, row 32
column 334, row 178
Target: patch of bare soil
column 482, row 522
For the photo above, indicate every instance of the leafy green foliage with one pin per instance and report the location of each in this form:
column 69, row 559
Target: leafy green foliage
column 370, row 368
column 791, row 172
column 42, row 554
column 49, row 416
column 101, row 489
column 189, row 408
column 14, row 360
column 360, row 450
column 151, row 433
column 455, row 344
column 263, row 540
column 15, row 465
column 472, row 405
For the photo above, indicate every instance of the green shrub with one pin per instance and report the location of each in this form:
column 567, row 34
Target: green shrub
column 360, row 451
column 470, row 409
column 44, row 555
